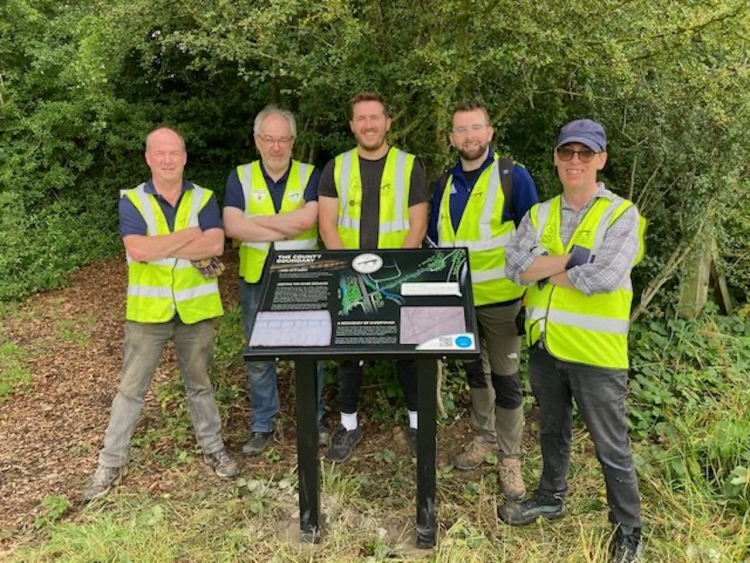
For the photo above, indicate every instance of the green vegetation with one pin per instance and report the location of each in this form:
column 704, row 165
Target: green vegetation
column 13, row 373
column 691, row 426
column 82, row 82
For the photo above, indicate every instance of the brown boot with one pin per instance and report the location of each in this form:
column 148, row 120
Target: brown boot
column 511, row 478
column 474, row 454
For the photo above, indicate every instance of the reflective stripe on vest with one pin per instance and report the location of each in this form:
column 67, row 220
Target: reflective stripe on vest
column 394, row 198
column 258, row 202
column 593, row 329
column 158, row 288
column 483, row 231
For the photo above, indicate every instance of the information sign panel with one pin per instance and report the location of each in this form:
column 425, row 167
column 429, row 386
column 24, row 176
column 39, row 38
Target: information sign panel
column 348, row 302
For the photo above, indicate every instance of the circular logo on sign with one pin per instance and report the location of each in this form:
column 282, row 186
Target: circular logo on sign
column 367, row 263
column 463, row 341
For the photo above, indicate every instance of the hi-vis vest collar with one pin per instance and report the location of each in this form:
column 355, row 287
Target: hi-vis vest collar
column 294, row 188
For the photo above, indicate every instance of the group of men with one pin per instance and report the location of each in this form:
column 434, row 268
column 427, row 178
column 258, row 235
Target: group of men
column 567, row 259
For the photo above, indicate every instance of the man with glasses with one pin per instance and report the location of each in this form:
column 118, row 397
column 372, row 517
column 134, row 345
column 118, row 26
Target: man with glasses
column 359, row 191
column 576, row 252
column 469, row 208
column 271, row 201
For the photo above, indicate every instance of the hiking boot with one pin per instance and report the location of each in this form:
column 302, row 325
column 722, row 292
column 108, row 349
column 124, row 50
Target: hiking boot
column 474, row 454
column 344, row 443
column 222, row 463
column 257, row 443
column 103, row 480
column 324, row 434
column 511, row 478
column 627, row 546
column 411, row 437
column 539, row 505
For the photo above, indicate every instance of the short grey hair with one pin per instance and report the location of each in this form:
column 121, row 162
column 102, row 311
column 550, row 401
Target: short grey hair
column 271, row 110
column 164, row 128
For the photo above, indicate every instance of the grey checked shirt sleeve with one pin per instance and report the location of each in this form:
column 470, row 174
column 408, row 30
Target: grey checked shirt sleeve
column 613, row 262
column 520, row 252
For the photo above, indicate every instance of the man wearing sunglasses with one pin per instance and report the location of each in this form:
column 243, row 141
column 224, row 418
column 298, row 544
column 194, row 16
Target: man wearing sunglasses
column 469, row 208
column 271, row 201
column 576, row 252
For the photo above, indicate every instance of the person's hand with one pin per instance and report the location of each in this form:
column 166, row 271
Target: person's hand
column 209, row 267
column 578, row 257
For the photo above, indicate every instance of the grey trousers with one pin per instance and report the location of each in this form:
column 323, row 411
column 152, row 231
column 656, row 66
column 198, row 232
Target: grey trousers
column 495, row 416
column 143, row 347
column 600, row 395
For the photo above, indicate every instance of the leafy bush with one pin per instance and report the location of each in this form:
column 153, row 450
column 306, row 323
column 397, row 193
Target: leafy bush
column 690, row 394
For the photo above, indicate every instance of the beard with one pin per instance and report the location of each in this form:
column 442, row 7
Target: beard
column 370, row 146
column 472, row 154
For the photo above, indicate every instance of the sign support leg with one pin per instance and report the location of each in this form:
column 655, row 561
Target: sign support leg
column 306, row 385
column 426, row 453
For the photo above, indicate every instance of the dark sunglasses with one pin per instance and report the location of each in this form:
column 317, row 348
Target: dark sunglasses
column 585, row 155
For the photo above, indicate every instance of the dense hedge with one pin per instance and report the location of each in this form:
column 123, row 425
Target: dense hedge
column 81, row 82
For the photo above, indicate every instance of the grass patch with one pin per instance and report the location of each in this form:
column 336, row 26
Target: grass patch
column 76, row 330
column 14, row 375
column 369, row 517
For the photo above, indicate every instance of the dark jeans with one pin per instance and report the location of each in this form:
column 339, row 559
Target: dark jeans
column 261, row 376
column 350, row 380
column 600, row 395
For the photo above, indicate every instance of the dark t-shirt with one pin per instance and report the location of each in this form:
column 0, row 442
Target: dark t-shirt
column 371, row 173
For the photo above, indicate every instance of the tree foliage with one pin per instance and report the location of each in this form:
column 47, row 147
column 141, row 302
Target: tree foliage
column 83, row 81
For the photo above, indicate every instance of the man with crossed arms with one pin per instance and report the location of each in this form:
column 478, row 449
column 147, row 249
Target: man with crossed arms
column 270, row 202
column 576, row 252
column 165, row 224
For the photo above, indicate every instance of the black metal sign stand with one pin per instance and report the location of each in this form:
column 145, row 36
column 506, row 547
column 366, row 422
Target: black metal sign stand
column 426, row 361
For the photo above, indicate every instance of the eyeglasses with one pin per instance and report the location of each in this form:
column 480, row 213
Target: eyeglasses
column 584, row 155
column 474, row 129
column 281, row 141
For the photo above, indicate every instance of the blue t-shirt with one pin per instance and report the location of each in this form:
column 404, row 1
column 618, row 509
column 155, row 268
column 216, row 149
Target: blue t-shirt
column 133, row 223
column 234, row 197
column 524, row 196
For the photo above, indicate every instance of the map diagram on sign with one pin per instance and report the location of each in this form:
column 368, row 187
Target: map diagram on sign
column 367, row 292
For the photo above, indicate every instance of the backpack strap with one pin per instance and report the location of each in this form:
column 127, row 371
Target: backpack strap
column 505, row 168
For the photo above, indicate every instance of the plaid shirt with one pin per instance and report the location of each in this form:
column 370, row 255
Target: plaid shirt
column 610, row 269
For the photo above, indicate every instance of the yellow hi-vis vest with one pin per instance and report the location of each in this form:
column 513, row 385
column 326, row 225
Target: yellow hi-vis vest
column 394, row 198
column 585, row 329
column 482, row 230
column 158, row 287
column 258, row 202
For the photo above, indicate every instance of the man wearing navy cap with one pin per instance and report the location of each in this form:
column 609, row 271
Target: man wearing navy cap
column 575, row 252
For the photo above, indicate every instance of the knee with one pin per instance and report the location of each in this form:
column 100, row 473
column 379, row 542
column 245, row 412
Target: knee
column 507, row 391
column 475, row 374
column 261, row 372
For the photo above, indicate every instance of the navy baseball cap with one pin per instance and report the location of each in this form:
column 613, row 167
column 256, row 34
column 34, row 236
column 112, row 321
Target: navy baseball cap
column 584, row 131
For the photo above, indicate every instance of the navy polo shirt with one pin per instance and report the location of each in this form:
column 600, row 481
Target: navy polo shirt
column 133, row 223
column 234, row 197
column 524, row 195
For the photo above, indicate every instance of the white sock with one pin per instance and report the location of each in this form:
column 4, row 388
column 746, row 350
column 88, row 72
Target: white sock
column 349, row 421
column 413, row 419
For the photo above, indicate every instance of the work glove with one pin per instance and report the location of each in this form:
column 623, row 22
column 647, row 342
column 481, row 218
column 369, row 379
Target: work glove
column 578, row 257
column 209, row 267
